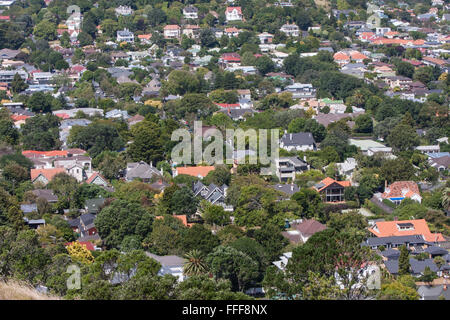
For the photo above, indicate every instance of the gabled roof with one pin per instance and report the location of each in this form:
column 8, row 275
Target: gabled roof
column 230, row 9
column 419, row 227
column 325, row 183
column 195, row 171
column 310, row 227
column 47, row 173
column 298, row 139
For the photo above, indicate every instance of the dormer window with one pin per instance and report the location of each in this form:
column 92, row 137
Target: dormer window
column 405, row 226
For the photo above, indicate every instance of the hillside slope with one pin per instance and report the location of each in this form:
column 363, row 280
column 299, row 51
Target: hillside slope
column 14, row 290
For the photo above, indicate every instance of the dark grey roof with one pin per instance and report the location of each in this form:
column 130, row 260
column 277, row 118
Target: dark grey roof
column 289, row 189
column 433, row 292
column 417, row 266
column 395, row 240
column 93, row 205
column 298, row 139
column 434, row 250
column 47, row 194
column 391, row 253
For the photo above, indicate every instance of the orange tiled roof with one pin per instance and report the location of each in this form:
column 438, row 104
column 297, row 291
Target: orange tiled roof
column 195, row 171
column 341, row 56
column 389, row 229
column 355, row 55
column 172, row 27
column 400, row 189
column 47, row 173
column 328, row 181
column 145, row 36
column 181, row 217
column 51, row 153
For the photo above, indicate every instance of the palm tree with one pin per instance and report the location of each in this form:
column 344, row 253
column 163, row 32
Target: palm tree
column 195, row 264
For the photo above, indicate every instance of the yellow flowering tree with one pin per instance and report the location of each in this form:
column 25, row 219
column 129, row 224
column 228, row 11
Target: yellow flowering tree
column 79, row 252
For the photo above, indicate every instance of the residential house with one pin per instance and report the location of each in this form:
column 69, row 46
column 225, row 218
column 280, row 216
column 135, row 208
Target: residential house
column 141, row 170
column 300, row 141
column 429, row 149
column 398, row 82
column 172, row 31
column 191, row 31
column 233, row 14
column 405, row 228
column 232, row 32
column 213, row 194
column 347, row 167
column 303, row 230
column 288, row 189
column 123, row 11
column 93, row 206
column 172, row 265
column 98, row 179
column 46, row 194
column 400, row 190
column 265, row 37
column 190, row 12
column 332, row 190
column 441, row 163
column 44, row 176
column 125, row 36
column 301, row 91
column 229, row 59
column 197, row 171
column 291, row 30
column 288, row 167
column 84, row 225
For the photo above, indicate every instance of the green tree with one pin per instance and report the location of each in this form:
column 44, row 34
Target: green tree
column 120, row 219
column 403, row 137
column 18, row 84
column 403, row 261
column 228, row 263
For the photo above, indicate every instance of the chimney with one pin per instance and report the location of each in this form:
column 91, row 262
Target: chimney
column 161, row 170
column 290, row 136
column 292, row 186
column 395, row 218
column 151, row 164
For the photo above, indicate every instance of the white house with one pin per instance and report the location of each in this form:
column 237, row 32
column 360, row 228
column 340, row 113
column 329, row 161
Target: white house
column 172, row 31
column 190, row 12
column 125, row 36
column 291, row 30
column 233, row 14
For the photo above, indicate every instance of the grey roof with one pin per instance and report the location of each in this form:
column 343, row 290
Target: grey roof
column 47, row 194
column 434, row 250
column 93, row 205
column 289, row 189
column 433, row 292
column 141, row 170
column 28, row 208
column 391, row 253
column 298, row 139
column 417, row 266
column 394, row 240
column 167, row 261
